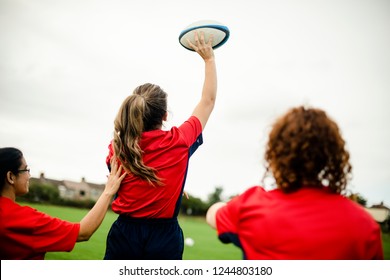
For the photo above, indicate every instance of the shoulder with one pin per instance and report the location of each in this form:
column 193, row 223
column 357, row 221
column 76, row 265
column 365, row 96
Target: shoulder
column 251, row 195
column 189, row 130
column 192, row 122
column 356, row 210
column 16, row 216
column 9, row 207
column 254, row 191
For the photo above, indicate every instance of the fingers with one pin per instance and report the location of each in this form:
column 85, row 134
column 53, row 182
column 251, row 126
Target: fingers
column 122, row 176
column 211, row 39
column 191, row 45
column 113, row 161
column 198, row 38
column 199, row 41
column 115, row 170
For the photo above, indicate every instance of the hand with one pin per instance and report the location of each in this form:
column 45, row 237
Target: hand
column 115, row 178
column 204, row 49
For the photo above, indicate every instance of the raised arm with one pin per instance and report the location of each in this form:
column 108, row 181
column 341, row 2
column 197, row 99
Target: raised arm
column 206, row 104
column 91, row 222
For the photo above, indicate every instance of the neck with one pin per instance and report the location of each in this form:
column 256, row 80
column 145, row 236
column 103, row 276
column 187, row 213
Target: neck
column 311, row 183
column 8, row 193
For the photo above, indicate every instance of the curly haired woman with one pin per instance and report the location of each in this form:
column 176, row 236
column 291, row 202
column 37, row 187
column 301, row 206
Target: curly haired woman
column 307, row 215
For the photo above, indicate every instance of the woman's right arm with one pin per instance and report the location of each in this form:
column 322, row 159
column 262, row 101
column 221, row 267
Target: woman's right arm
column 91, row 222
column 206, row 104
column 212, row 213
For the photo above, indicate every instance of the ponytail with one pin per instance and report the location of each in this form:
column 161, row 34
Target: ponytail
column 141, row 111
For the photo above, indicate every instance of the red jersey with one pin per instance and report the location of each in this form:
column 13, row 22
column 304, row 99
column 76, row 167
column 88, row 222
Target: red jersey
column 311, row 223
column 26, row 233
column 168, row 152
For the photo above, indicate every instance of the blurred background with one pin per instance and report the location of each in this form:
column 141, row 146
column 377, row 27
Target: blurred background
column 67, row 65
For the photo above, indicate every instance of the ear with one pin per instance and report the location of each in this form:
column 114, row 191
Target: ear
column 165, row 117
column 10, row 178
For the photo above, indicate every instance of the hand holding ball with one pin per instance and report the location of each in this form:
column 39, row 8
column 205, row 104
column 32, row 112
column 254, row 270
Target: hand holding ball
column 219, row 31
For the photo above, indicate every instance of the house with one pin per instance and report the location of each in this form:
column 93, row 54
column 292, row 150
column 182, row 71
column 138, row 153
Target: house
column 70, row 190
column 381, row 214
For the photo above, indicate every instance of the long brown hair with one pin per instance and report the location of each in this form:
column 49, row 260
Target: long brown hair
column 142, row 111
column 305, row 146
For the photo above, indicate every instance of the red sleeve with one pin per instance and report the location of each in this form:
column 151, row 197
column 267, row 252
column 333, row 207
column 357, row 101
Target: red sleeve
column 191, row 129
column 29, row 234
column 374, row 247
column 228, row 217
column 53, row 234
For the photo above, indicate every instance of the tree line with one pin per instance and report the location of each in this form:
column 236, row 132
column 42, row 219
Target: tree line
column 191, row 206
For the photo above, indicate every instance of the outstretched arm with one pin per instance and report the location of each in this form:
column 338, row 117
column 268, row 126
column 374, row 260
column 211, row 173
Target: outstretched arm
column 91, row 222
column 206, row 104
column 212, row 212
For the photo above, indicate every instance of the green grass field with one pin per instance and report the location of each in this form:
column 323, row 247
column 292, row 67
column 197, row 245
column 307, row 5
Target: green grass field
column 207, row 246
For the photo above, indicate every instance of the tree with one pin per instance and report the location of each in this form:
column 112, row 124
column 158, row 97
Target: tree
column 193, row 206
column 42, row 193
column 215, row 196
column 196, row 207
column 358, row 198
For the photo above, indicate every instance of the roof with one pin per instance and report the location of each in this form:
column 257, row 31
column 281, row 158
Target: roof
column 81, row 185
column 381, row 206
column 75, row 185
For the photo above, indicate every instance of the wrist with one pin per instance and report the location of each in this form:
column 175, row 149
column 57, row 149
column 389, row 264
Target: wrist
column 209, row 59
column 107, row 194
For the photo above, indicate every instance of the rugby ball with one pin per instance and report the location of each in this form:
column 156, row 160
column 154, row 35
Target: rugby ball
column 221, row 33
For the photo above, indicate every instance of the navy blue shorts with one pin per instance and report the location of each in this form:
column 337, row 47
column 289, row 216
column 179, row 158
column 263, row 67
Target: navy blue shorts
column 144, row 239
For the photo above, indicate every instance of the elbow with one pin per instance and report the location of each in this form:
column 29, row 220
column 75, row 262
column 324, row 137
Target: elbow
column 211, row 214
column 84, row 236
column 209, row 104
column 210, row 220
column 212, row 101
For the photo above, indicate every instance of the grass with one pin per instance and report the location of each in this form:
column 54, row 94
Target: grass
column 386, row 245
column 207, row 246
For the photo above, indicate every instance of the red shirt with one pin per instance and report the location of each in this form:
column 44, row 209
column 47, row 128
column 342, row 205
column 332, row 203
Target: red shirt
column 168, row 152
column 311, row 223
column 26, row 233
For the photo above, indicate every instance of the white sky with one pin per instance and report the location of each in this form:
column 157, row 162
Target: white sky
column 67, row 65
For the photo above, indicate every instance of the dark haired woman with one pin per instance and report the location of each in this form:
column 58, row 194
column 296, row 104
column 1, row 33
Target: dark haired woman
column 26, row 233
column 156, row 160
column 306, row 216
